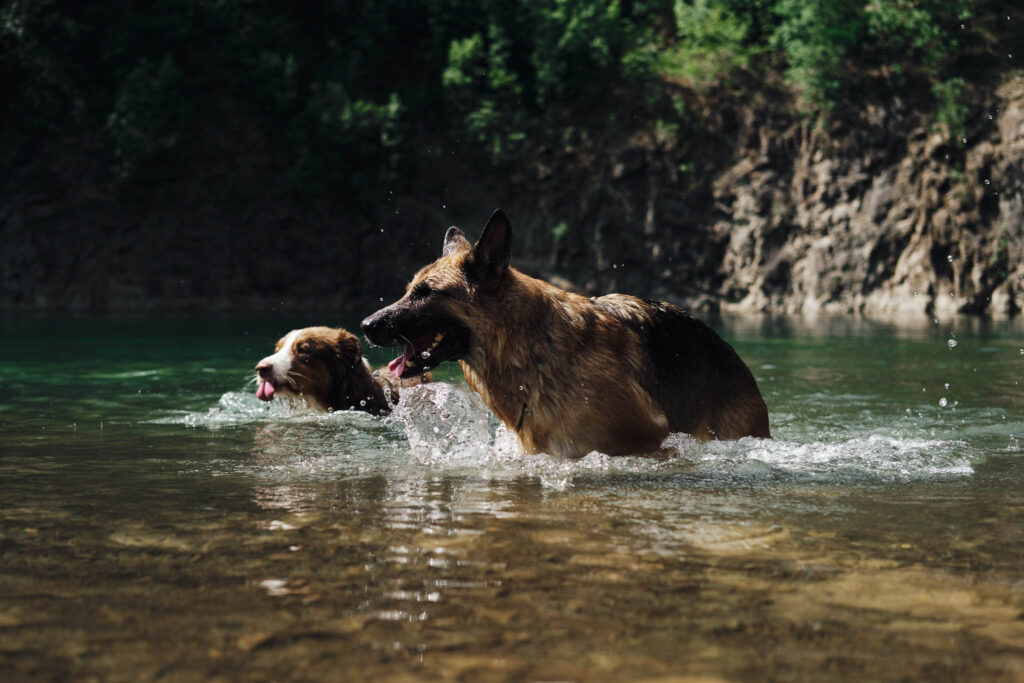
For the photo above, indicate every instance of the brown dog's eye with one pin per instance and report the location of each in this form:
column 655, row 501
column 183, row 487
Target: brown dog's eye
column 302, row 348
column 421, row 291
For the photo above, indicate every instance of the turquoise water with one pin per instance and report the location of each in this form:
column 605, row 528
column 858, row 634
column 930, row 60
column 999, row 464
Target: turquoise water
column 159, row 521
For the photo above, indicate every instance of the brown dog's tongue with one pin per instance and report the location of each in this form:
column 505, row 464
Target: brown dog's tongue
column 265, row 391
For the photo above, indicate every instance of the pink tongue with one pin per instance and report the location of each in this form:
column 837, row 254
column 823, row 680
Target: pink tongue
column 265, row 391
column 397, row 366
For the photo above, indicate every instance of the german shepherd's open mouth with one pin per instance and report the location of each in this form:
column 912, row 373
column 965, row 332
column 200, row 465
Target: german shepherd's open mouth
column 426, row 352
column 430, row 336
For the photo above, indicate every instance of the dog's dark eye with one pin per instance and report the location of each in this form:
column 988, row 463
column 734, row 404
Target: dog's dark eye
column 421, row 291
column 302, row 348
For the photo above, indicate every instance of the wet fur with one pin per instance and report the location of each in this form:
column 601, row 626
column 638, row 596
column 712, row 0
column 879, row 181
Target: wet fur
column 568, row 374
column 327, row 370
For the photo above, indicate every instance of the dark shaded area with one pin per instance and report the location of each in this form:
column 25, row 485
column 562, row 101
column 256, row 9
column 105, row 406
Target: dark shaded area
column 225, row 155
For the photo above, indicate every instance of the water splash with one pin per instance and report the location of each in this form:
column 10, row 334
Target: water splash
column 443, row 422
column 871, row 458
column 444, row 428
column 239, row 408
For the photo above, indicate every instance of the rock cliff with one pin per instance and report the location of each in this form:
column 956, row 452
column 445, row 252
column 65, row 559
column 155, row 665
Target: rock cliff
column 879, row 214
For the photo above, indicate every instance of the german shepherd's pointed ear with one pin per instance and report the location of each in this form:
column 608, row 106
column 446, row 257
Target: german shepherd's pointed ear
column 454, row 241
column 491, row 252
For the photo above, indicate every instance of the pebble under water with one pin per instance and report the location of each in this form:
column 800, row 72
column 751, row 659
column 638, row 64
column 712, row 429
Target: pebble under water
column 160, row 522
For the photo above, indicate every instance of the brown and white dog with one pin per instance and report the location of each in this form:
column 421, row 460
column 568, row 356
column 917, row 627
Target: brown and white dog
column 325, row 367
column 615, row 373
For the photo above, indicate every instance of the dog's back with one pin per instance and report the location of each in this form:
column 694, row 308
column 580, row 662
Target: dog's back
column 693, row 375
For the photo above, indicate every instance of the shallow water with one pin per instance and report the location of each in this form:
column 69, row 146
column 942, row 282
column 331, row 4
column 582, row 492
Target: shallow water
column 160, row 522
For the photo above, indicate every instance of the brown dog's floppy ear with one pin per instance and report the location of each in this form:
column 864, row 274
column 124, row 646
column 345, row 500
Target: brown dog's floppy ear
column 347, row 347
column 454, row 240
column 491, row 252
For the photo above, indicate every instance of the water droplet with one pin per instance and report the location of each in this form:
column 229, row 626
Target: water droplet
column 382, row 299
column 963, row 140
column 951, row 343
column 425, row 354
column 1022, row 352
column 522, row 388
column 437, row 430
column 943, row 402
column 949, row 258
column 947, row 386
column 362, row 401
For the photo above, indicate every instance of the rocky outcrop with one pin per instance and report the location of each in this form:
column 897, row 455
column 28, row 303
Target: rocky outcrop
column 880, row 226
column 879, row 214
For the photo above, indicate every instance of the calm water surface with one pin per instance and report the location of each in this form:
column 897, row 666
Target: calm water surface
column 158, row 522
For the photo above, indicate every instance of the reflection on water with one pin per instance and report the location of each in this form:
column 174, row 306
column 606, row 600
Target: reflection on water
column 161, row 522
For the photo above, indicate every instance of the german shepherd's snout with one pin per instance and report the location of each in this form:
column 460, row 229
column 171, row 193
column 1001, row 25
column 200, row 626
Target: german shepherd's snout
column 570, row 375
column 378, row 328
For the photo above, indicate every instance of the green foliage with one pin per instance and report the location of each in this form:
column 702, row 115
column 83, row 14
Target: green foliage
column 560, row 230
column 531, row 57
column 347, row 91
column 147, row 115
column 815, row 36
column 712, row 41
column 1001, row 252
column 486, row 92
column 835, row 50
column 709, row 23
column 951, row 109
column 665, row 132
column 358, row 135
column 576, row 41
column 924, row 39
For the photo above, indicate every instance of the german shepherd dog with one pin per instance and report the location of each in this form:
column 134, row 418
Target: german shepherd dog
column 570, row 375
